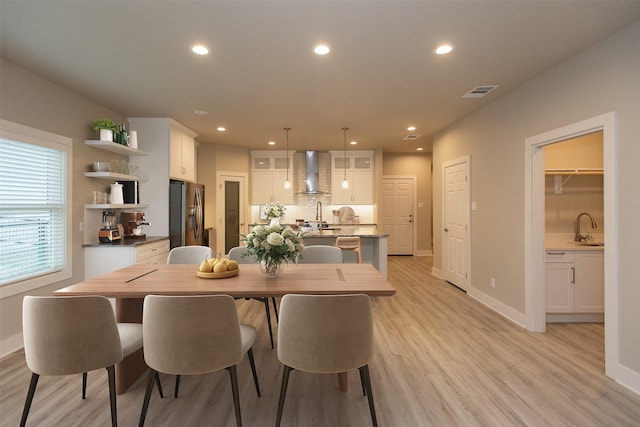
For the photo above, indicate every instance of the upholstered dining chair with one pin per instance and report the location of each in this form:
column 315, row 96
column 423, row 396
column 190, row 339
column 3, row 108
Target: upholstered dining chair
column 236, row 254
column 73, row 335
column 173, row 345
column 325, row 334
column 189, row 254
column 321, row 254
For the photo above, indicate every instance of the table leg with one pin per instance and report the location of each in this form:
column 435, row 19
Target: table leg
column 129, row 310
column 343, row 381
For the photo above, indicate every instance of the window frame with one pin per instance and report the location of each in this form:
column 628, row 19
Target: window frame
column 25, row 134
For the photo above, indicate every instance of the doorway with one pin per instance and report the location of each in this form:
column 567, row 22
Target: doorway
column 231, row 208
column 535, row 226
column 398, row 194
column 456, row 248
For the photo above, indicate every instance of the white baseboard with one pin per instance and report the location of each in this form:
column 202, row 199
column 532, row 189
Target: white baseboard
column 626, row 377
column 424, row 253
column 575, row 317
column 499, row 307
column 11, row 344
column 436, row 272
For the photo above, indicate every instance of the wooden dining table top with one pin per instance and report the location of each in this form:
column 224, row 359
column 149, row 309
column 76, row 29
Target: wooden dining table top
column 139, row 280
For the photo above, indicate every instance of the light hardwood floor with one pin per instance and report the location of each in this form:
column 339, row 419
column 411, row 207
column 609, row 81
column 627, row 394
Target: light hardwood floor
column 442, row 359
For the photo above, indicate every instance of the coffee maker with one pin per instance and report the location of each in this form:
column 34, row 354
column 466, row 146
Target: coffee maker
column 109, row 232
column 132, row 222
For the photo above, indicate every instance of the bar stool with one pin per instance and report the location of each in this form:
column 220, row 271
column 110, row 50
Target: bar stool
column 350, row 244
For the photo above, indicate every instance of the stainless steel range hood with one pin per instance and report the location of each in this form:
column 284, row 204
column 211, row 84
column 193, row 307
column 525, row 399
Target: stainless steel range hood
column 314, row 173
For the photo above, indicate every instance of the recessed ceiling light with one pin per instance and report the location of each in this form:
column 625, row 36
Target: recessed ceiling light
column 443, row 49
column 354, row 143
column 201, row 112
column 321, row 49
column 411, row 128
column 221, row 128
column 271, row 143
column 419, row 149
column 200, row 49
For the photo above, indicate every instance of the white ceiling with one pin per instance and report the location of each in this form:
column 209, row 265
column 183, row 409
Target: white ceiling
column 261, row 75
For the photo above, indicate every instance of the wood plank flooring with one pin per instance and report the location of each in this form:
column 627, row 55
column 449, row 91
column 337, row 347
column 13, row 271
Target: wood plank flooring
column 442, row 359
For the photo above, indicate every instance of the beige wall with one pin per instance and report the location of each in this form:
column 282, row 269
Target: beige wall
column 601, row 79
column 420, row 166
column 33, row 101
column 211, row 159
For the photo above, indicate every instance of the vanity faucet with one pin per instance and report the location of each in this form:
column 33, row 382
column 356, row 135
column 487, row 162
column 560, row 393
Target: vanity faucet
column 579, row 236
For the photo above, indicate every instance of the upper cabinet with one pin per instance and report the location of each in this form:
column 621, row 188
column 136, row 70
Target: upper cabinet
column 268, row 174
column 182, row 158
column 357, row 166
column 580, row 155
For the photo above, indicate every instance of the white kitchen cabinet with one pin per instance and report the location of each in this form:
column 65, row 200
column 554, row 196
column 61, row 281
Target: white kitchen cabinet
column 589, row 295
column 182, row 158
column 574, row 281
column 102, row 259
column 358, row 168
column 268, row 174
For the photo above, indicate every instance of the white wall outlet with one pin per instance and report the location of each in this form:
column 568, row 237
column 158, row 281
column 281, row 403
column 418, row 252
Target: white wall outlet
column 81, row 226
column 493, row 282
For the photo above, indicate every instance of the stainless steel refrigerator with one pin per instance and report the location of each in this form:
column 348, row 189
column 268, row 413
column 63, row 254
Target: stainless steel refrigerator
column 186, row 213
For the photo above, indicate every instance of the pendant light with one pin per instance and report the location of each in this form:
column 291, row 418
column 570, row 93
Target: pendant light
column 287, row 183
column 345, row 182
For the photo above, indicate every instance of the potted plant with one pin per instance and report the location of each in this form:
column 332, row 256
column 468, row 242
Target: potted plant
column 106, row 127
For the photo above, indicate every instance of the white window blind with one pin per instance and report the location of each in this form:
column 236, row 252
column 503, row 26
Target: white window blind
column 32, row 210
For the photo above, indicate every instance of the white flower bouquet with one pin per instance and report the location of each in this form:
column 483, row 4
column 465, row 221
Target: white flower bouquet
column 274, row 210
column 273, row 244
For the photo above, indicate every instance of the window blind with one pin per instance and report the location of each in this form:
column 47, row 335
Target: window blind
column 32, row 211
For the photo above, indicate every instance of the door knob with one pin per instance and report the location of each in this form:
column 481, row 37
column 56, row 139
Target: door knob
column 446, row 230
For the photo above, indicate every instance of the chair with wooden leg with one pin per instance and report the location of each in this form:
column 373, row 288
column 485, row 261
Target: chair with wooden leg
column 350, row 243
column 325, row 334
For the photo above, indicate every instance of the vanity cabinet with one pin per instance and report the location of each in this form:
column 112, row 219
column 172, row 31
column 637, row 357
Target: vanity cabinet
column 358, row 168
column 574, row 281
column 268, row 174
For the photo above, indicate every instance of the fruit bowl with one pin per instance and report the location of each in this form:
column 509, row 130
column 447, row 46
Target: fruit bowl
column 222, row 275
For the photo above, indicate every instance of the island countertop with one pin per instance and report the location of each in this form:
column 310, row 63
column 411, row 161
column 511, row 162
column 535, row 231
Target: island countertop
column 345, row 230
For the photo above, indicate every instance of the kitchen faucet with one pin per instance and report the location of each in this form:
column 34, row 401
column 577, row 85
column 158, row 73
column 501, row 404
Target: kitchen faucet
column 319, row 214
column 579, row 236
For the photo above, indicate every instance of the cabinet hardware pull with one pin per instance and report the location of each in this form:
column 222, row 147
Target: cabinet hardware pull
column 556, row 253
column 573, row 275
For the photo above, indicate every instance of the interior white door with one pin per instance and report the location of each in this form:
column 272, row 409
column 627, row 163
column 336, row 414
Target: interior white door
column 397, row 214
column 456, row 223
column 230, row 211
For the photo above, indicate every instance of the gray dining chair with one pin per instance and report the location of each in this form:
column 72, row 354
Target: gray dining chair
column 190, row 335
column 74, row 335
column 321, row 254
column 236, row 254
column 325, row 334
column 193, row 254
column 189, row 254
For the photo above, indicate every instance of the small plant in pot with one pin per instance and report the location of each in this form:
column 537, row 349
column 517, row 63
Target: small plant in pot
column 106, row 127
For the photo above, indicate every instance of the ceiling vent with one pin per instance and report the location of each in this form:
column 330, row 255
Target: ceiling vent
column 411, row 137
column 479, row 91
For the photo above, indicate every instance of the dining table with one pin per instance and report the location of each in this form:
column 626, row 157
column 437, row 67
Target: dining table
column 129, row 285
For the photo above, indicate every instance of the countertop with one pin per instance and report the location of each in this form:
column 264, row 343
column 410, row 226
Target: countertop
column 127, row 242
column 566, row 243
column 345, row 230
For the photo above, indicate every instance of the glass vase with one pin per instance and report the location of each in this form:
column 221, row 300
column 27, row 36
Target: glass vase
column 271, row 268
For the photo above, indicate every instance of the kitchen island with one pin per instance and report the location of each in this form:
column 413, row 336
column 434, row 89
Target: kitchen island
column 373, row 244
